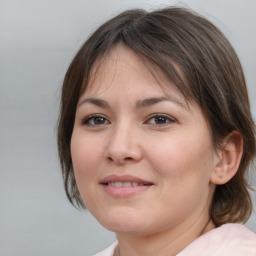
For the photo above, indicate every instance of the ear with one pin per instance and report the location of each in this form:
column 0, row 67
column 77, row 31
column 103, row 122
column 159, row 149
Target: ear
column 228, row 159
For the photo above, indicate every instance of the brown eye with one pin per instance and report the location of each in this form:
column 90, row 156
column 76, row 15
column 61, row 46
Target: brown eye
column 160, row 120
column 95, row 121
column 98, row 120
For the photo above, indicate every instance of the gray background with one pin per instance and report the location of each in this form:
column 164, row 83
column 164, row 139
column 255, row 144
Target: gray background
column 37, row 41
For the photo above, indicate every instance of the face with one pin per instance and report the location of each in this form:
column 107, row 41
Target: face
column 142, row 156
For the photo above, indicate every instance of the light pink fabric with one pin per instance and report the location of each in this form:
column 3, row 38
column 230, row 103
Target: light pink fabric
column 108, row 252
column 227, row 240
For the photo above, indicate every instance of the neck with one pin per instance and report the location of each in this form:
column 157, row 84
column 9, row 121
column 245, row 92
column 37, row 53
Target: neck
column 170, row 242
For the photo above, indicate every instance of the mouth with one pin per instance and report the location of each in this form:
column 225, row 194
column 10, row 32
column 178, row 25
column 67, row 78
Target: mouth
column 119, row 184
column 124, row 186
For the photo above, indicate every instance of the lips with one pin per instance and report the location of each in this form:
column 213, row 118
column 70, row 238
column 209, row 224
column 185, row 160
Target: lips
column 124, row 181
column 125, row 185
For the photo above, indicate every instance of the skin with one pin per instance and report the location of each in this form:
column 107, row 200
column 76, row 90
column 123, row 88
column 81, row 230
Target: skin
column 172, row 151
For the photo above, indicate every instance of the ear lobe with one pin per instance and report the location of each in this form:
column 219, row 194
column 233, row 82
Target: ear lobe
column 229, row 159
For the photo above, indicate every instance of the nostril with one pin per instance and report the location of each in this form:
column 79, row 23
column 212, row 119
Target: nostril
column 110, row 159
column 120, row 160
column 122, row 155
column 128, row 158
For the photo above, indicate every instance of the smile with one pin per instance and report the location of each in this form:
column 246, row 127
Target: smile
column 124, row 186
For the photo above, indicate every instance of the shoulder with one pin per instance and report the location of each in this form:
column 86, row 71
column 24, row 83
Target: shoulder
column 229, row 239
column 108, row 251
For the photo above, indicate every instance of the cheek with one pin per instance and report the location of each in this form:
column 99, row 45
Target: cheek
column 183, row 160
column 183, row 175
column 85, row 158
column 84, row 153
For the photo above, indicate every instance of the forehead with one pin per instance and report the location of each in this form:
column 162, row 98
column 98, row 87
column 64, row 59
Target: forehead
column 121, row 65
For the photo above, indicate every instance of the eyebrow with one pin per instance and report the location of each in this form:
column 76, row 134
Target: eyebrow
column 139, row 104
column 95, row 101
column 154, row 100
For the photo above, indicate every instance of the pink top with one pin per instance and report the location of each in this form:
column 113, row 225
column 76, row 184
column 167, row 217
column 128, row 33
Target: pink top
column 229, row 239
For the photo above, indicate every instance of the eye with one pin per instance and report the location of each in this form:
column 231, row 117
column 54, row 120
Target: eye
column 160, row 119
column 95, row 120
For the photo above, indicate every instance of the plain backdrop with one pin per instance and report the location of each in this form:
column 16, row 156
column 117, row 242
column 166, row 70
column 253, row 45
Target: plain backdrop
column 37, row 41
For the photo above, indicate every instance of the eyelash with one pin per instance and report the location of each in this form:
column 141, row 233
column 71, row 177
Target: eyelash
column 166, row 118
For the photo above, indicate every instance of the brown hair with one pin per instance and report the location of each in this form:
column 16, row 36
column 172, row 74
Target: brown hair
column 211, row 75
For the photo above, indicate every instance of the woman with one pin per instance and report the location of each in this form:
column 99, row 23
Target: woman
column 156, row 136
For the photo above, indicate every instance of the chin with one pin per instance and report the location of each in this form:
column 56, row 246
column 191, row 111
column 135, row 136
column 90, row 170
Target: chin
column 126, row 228
column 123, row 222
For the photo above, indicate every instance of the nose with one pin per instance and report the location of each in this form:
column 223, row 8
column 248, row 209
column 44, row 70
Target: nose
column 123, row 145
